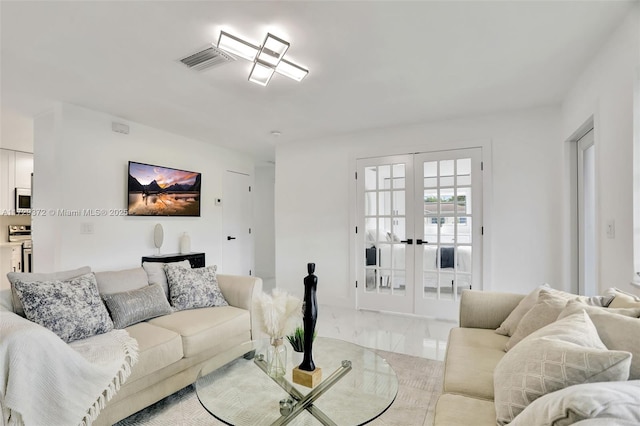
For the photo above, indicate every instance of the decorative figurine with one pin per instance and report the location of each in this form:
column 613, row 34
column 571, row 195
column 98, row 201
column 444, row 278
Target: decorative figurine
column 307, row 374
column 310, row 315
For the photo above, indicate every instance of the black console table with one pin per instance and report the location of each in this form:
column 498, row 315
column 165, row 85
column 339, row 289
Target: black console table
column 195, row 259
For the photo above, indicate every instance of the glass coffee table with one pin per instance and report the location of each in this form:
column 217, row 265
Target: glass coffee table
column 357, row 386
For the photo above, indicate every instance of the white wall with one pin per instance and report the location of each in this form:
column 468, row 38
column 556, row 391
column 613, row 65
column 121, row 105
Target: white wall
column 605, row 90
column 264, row 224
column 80, row 163
column 16, row 131
column 314, row 208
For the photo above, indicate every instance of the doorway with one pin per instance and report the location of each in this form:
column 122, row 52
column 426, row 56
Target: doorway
column 237, row 213
column 420, row 217
column 586, row 189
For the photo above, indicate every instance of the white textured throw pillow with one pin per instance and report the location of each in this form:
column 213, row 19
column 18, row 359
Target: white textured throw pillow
column 564, row 353
column 509, row 325
column 544, row 312
column 611, row 400
column 616, row 327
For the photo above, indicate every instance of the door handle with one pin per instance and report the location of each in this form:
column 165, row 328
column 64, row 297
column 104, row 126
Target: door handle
column 419, row 242
column 230, row 238
column 408, row 241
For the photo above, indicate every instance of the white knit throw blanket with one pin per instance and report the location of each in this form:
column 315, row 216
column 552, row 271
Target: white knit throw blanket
column 45, row 381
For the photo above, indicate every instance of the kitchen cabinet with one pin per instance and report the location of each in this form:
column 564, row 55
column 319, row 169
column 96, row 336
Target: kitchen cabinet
column 15, row 172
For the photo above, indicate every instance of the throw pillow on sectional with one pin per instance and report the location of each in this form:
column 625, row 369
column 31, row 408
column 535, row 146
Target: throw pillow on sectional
column 622, row 299
column 608, row 401
column 193, row 288
column 564, row 353
column 72, row 309
column 509, row 325
column 134, row 306
column 544, row 312
column 618, row 328
column 157, row 275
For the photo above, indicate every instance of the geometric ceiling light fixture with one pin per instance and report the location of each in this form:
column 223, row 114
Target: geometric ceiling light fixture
column 267, row 59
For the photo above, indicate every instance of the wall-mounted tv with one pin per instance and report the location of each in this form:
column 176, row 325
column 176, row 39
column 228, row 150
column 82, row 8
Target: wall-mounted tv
column 162, row 191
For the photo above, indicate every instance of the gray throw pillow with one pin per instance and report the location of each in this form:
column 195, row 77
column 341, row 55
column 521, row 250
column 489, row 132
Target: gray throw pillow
column 131, row 307
column 193, row 288
column 564, row 353
column 72, row 309
column 40, row 276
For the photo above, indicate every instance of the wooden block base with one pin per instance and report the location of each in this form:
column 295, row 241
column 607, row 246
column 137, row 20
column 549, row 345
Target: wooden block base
column 307, row 378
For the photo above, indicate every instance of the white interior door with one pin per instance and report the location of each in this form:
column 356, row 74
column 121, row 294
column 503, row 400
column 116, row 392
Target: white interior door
column 449, row 229
column 420, row 226
column 238, row 253
column 385, row 200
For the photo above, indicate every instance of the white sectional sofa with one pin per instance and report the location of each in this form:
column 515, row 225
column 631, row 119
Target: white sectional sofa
column 171, row 348
column 474, row 385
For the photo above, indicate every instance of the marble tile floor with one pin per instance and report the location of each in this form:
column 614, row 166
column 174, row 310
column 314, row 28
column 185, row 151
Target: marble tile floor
column 410, row 335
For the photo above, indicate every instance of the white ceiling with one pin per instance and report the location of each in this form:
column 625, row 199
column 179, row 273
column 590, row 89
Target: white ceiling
column 372, row 64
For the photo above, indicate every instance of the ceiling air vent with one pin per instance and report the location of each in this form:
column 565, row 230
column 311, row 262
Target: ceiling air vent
column 207, row 58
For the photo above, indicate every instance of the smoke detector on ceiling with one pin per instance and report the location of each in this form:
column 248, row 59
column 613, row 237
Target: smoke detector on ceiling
column 207, row 58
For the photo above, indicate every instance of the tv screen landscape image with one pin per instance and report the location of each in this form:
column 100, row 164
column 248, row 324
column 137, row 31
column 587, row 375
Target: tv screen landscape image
column 162, row 191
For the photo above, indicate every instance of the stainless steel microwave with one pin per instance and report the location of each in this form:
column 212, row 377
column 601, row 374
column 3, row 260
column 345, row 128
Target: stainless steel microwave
column 23, row 201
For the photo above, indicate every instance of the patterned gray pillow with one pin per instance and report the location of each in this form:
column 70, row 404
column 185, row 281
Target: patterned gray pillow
column 72, row 309
column 131, row 307
column 193, row 288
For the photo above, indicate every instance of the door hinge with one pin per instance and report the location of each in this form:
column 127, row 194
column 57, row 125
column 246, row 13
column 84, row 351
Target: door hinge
column 482, row 230
column 356, row 284
column 356, row 229
column 249, row 189
column 249, row 272
column 482, row 165
column 356, row 175
column 249, row 230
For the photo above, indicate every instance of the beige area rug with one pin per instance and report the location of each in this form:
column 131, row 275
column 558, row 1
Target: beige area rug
column 419, row 380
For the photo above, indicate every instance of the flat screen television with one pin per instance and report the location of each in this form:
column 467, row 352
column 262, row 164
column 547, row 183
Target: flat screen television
column 162, row 191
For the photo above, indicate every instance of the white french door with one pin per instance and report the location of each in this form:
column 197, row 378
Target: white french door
column 420, row 217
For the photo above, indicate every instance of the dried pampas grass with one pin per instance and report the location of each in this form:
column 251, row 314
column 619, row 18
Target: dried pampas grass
column 279, row 313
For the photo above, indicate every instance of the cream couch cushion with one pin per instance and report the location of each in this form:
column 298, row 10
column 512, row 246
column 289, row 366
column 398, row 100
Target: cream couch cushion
column 459, row 410
column 472, row 354
column 157, row 348
column 199, row 328
column 120, row 281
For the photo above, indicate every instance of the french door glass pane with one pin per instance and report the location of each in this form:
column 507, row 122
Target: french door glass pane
column 370, row 174
column 399, row 176
column 370, row 203
column 463, row 173
column 446, row 172
column 463, row 230
column 398, row 203
column 447, row 228
column 384, row 177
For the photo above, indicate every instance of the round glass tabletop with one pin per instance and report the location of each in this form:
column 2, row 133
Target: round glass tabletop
column 235, row 388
